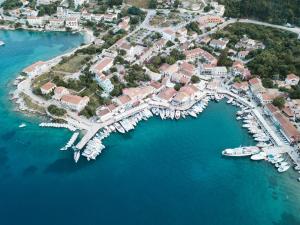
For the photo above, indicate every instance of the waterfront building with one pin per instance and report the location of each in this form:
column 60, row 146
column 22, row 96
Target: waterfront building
column 72, row 23
column 123, row 101
column 35, row 21
column 56, row 22
column 75, row 102
column 36, row 69
column 287, row 129
column 138, row 93
column 47, row 88
column 166, row 95
column 240, row 87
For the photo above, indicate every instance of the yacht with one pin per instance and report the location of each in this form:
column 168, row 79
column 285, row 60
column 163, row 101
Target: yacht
column 259, row 156
column 177, row 114
column 241, row 151
column 22, row 125
column 2, row 43
column 172, row 114
column 119, row 128
column 284, row 168
column 76, row 155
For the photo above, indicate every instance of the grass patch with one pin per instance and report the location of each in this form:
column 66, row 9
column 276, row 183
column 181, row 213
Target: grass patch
column 72, row 64
column 138, row 3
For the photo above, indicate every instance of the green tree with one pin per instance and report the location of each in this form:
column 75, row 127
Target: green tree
column 279, row 102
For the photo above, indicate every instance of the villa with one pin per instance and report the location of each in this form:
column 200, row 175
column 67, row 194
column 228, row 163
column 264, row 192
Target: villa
column 59, row 92
column 36, row 69
column 47, row 88
column 75, row 102
column 292, row 79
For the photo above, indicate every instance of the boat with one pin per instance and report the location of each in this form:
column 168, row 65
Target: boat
column 284, row 168
column 119, row 128
column 193, row 114
column 259, row 156
column 177, row 114
column 241, row 151
column 22, row 125
column 2, row 43
column 76, row 155
column 297, row 167
column 172, row 114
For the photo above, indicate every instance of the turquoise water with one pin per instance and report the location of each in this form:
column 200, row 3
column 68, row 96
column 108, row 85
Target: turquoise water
column 164, row 172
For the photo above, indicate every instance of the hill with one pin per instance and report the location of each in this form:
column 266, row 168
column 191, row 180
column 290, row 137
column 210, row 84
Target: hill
column 271, row 11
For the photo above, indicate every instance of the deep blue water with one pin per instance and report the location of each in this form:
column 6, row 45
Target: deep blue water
column 164, row 172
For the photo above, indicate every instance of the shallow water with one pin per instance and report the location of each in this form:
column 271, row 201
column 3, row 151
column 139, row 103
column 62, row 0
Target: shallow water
column 163, row 172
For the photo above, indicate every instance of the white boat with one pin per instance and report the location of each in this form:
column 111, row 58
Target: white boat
column 238, row 118
column 119, row 128
column 76, row 155
column 193, row 114
column 297, row 167
column 22, row 125
column 282, row 169
column 167, row 113
column 230, row 100
column 241, row 151
column 2, row 43
column 162, row 114
column 177, row 114
column 172, row 114
column 259, row 156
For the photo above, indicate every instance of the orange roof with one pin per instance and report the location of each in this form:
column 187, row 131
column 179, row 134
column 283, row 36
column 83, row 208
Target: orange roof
column 48, row 86
column 167, row 94
column 292, row 77
column 288, row 127
column 32, row 67
column 123, row 99
column 73, row 99
column 103, row 63
column 60, row 90
column 189, row 89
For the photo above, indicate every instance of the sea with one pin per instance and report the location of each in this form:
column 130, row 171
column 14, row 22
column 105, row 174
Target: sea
column 162, row 173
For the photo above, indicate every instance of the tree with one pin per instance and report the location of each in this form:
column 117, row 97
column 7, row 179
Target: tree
column 152, row 4
column 195, row 79
column 224, row 60
column 267, row 83
column 279, row 102
column 177, row 86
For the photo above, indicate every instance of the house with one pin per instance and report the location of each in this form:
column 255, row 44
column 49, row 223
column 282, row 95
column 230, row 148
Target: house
column 168, row 70
column 47, row 88
column 35, row 21
column 102, row 65
column 256, row 88
column 166, row 95
column 209, row 20
column 72, row 23
column 219, row 43
column 138, row 93
column 282, row 123
column 56, row 22
column 292, row 79
column 109, row 17
column 104, row 82
column 59, row 92
column 75, row 102
column 243, row 54
column 79, row 2
column 123, row 101
column 169, row 34
column 160, row 44
column 219, row 71
column 187, row 69
column 240, row 87
column 36, row 69
column 198, row 52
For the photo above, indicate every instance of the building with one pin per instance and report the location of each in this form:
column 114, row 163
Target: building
column 139, row 93
column 166, row 95
column 47, row 88
column 36, row 69
column 198, row 52
column 75, row 102
column 219, row 43
column 123, row 101
column 219, row 71
column 102, row 65
column 240, row 87
column 104, row 82
column 59, row 92
column 282, row 123
column 56, row 22
column 72, row 23
column 35, row 21
column 292, row 79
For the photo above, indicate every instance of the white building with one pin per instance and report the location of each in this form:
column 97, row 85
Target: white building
column 36, row 69
column 75, row 102
column 35, row 21
column 104, row 83
column 72, row 23
column 292, row 79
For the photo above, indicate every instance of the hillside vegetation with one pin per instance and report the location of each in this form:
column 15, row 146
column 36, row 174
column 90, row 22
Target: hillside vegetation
column 272, row 11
